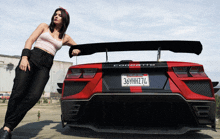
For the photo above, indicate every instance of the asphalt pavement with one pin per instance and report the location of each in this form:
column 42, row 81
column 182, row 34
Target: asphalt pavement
column 49, row 127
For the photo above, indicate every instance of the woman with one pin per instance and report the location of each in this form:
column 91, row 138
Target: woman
column 32, row 72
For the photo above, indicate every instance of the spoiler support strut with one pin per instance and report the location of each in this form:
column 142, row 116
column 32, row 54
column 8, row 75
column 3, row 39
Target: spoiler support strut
column 158, row 53
column 106, row 54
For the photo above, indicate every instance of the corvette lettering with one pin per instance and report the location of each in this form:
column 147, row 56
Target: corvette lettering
column 133, row 65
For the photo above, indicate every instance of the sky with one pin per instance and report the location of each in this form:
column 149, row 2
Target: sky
column 95, row 21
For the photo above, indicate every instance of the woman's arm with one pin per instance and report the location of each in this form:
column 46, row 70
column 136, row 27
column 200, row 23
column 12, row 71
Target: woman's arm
column 35, row 35
column 69, row 41
column 24, row 61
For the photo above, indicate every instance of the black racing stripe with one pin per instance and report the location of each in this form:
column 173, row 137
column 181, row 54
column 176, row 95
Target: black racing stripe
column 111, row 78
column 157, row 72
column 167, row 85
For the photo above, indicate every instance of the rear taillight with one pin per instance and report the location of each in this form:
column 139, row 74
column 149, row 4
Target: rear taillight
column 74, row 73
column 81, row 73
column 195, row 71
column 181, row 71
column 89, row 73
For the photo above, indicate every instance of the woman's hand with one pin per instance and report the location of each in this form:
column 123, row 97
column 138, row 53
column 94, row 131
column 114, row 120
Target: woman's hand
column 75, row 52
column 24, row 64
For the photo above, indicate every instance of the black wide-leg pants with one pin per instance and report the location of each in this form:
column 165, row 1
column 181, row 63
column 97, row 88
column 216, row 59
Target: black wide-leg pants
column 28, row 87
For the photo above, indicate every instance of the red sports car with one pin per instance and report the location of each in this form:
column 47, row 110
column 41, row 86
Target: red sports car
column 148, row 97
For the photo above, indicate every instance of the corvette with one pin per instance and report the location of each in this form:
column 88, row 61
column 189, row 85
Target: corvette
column 145, row 97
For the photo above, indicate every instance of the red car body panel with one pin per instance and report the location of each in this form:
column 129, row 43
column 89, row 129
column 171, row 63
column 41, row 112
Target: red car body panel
column 177, row 84
column 185, row 91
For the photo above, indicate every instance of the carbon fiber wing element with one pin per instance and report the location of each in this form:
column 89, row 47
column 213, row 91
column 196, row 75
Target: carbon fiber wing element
column 172, row 45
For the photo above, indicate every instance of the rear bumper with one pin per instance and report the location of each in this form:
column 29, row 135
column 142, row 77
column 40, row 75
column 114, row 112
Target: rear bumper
column 142, row 130
column 144, row 113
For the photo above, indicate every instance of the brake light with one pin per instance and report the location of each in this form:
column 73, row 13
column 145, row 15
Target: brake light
column 181, row 71
column 197, row 72
column 81, row 73
column 74, row 73
column 184, row 72
column 89, row 73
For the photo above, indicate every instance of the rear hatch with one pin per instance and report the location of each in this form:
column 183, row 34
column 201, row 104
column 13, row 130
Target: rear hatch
column 137, row 77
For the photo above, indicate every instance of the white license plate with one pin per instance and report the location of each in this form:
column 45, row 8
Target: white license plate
column 135, row 79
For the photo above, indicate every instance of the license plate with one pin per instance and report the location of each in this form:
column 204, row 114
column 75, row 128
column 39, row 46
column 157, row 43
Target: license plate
column 135, row 79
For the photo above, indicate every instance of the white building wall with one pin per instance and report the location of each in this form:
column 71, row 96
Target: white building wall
column 7, row 73
column 57, row 75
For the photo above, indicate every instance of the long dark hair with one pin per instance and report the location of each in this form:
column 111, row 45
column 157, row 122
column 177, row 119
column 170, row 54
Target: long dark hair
column 65, row 22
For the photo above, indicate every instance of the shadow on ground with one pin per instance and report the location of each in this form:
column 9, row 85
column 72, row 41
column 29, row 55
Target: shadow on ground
column 30, row 130
column 87, row 133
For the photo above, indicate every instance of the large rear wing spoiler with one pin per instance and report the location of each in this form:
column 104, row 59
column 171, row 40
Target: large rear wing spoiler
column 172, row 45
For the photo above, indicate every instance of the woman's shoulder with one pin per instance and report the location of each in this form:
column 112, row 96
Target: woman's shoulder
column 43, row 26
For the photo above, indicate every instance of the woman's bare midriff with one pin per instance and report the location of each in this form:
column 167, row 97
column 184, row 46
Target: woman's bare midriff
column 44, row 50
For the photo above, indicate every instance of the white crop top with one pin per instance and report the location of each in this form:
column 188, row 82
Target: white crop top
column 47, row 42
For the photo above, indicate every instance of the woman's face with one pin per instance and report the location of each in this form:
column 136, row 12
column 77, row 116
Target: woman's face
column 57, row 18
